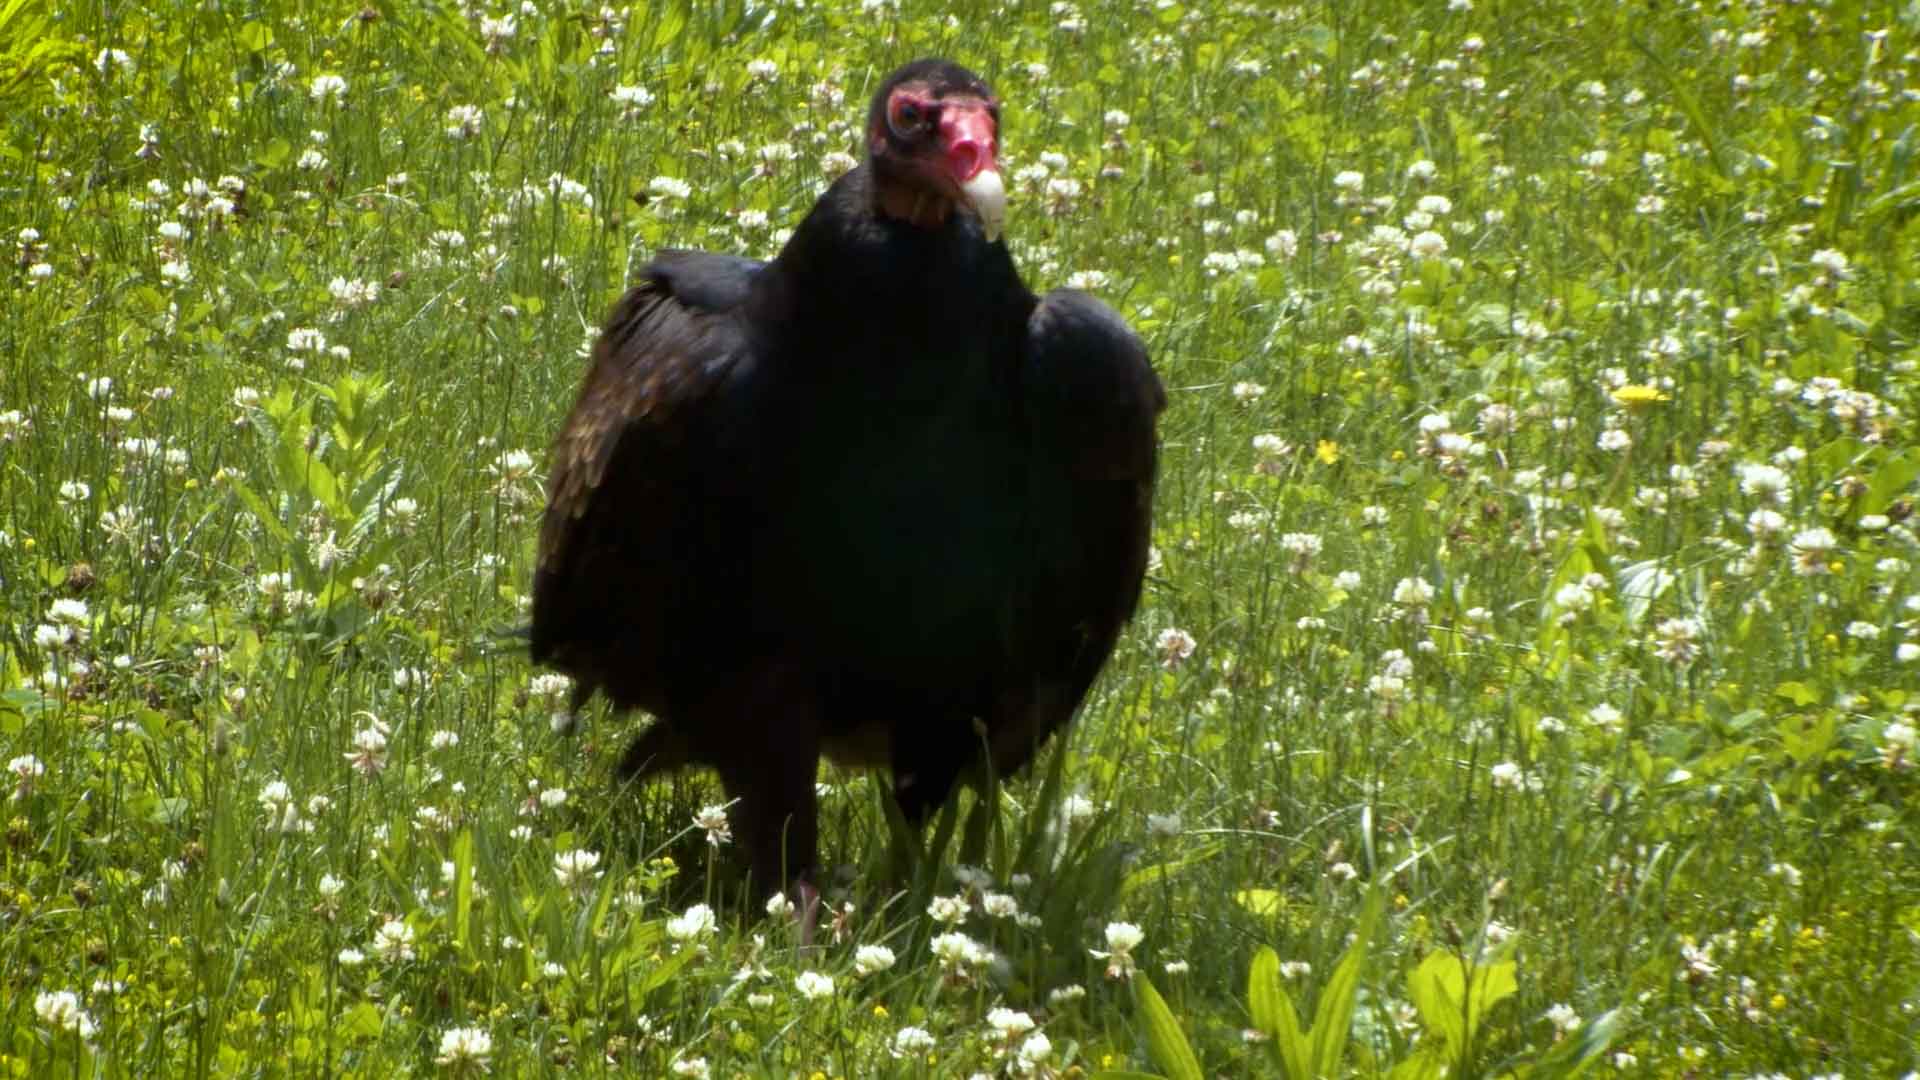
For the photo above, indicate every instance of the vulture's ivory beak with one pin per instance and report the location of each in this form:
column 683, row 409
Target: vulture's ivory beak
column 988, row 196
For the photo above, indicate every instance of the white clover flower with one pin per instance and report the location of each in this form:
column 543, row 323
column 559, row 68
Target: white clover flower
column 1413, row 592
column 1348, row 180
column 328, row 88
column 813, row 985
column 1563, row 1018
column 669, row 187
column 1034, row 1052
column 1766, row 525
column 1009, row 1023
column 1427, row 244
column 912, row 1042
column 1897, row 743
column 1122, row 939
column 369, row 754
column 330, row 888
column 713, row 820
column 1302, row 547
column 948, row 910
column 697, row 923
column 464, row 1049
column 1831, row 261
column 350, row 294
column 1508, row 775
column 1066, row 995
column 1677, row 641
column 393, row 941
column 25, row 770
column 69, row 611
column 1811, row 548
column 1574, row 596
column 998, row 905
column 512, row 466
column 498, row 31
column 1175, row 647
column 1767, row 482
column 577, row 868
column 61, row 1011
column 957, row 951
column 107, row 60
column 464, row 122
column 631, row 97
column 872, row 959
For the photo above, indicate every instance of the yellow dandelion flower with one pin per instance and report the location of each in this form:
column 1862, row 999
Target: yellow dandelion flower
column 1638, row 396
column 1327, row 451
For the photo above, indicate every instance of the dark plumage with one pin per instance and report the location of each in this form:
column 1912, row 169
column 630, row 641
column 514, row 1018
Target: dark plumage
column 854, row 501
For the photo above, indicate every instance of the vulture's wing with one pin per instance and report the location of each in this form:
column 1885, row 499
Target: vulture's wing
column 1091, row 400
column 636, row 477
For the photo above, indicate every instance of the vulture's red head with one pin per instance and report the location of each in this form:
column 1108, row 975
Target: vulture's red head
column 932, row 135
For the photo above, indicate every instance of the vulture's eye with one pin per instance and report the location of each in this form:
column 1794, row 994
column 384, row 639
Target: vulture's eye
column 909, row 116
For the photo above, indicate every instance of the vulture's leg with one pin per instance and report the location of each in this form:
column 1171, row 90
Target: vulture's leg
column 928, row 760
column 659, row 749
column 764, row 733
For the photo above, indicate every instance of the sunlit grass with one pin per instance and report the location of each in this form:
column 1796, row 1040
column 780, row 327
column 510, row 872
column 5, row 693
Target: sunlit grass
column 1533, row 539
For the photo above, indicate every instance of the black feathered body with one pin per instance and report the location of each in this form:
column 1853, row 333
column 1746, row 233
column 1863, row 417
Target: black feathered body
column 852, row 502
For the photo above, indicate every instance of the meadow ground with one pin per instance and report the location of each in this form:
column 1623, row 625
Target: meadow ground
column 1534, row 550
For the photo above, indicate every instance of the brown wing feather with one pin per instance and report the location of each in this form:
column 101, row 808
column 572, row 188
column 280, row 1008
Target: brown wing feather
column 625, row 521
column 1092, row 399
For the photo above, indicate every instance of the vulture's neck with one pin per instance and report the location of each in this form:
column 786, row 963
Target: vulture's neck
column 867, row 255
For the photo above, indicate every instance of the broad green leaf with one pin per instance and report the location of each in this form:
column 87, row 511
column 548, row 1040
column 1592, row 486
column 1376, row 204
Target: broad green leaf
column 1273, row 1014
column 1158, row 872
column 1640, row 585
column 1333, row 1014
column 1453, row 996
column 1165, row 1041
column 463, row 891
column 267, row 518
column 1427, row 1063
column 1574, row 1053
column 1797, row 692
column 1267, row 902
column 363, row 1021
column 1891, row 480
column 1435, row 988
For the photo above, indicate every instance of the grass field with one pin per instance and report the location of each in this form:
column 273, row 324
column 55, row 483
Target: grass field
column 1534, row 549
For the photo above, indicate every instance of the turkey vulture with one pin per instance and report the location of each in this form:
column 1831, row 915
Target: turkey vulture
column 873, row 499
